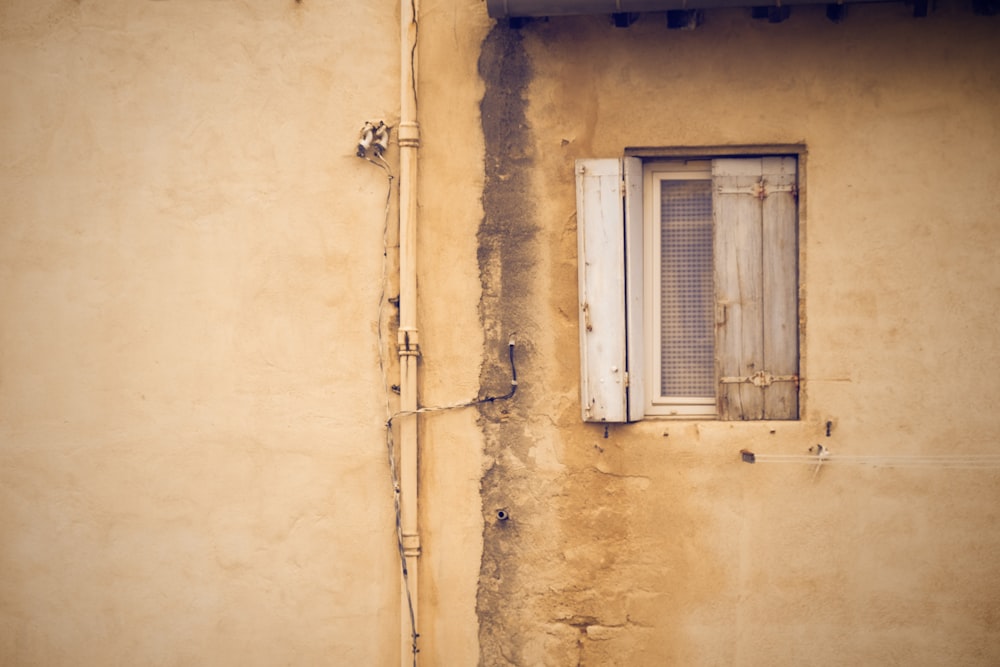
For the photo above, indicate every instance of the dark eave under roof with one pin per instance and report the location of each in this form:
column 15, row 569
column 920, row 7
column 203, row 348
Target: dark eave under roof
column 625, row 11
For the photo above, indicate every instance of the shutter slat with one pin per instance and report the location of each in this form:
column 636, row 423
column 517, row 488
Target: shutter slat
column 634, row 282
column 781, row 317
column 739, row 288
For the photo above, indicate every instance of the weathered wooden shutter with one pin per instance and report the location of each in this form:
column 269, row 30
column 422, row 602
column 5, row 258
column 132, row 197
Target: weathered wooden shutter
column 609, row 233
column 755, row 217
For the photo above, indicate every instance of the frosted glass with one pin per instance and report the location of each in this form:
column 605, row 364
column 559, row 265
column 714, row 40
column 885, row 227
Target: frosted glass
column 687, row 322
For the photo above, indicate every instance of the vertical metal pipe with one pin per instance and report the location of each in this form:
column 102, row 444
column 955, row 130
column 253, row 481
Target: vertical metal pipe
column 408, row 341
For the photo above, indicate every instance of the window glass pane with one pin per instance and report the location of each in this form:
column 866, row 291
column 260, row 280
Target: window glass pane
column 687, row 322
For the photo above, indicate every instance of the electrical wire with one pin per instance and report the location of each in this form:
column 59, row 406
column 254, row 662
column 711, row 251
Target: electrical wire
column 390, row 443
column 474, row 402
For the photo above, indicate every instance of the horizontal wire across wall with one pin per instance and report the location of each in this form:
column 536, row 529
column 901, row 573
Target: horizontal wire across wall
column 825, row 457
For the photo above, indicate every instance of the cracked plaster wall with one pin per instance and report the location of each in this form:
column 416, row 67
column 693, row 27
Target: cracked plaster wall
column 653, row 544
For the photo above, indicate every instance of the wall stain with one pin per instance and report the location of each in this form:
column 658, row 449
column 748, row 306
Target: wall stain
column 506, row 242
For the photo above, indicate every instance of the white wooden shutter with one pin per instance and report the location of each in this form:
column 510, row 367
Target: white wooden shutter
column 609, row 233
column 754, row 212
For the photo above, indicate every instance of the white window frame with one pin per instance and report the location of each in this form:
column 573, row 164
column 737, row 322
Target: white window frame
column 756, row 313
column 654, row 172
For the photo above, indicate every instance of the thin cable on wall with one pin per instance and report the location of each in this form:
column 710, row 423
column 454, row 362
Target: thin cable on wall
column 368, row 140
column 822, row 456
column 473, row 402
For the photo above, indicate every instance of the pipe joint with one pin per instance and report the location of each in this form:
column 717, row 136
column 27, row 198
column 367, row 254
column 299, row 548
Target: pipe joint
column 411, row 544
column 408, row 135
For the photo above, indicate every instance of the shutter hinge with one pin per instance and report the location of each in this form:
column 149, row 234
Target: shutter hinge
column 754, row 189
column 761, row 379
column 768, row 189
column 759, row 190
column 625, row 379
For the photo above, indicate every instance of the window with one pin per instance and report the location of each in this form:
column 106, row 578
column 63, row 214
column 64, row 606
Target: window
column 689, row 288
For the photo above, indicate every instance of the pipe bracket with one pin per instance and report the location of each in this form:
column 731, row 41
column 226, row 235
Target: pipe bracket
column 408, row 343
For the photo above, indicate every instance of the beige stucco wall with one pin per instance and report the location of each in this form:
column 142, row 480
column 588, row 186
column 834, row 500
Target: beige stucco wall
column 451, row 443
column 192, row 460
